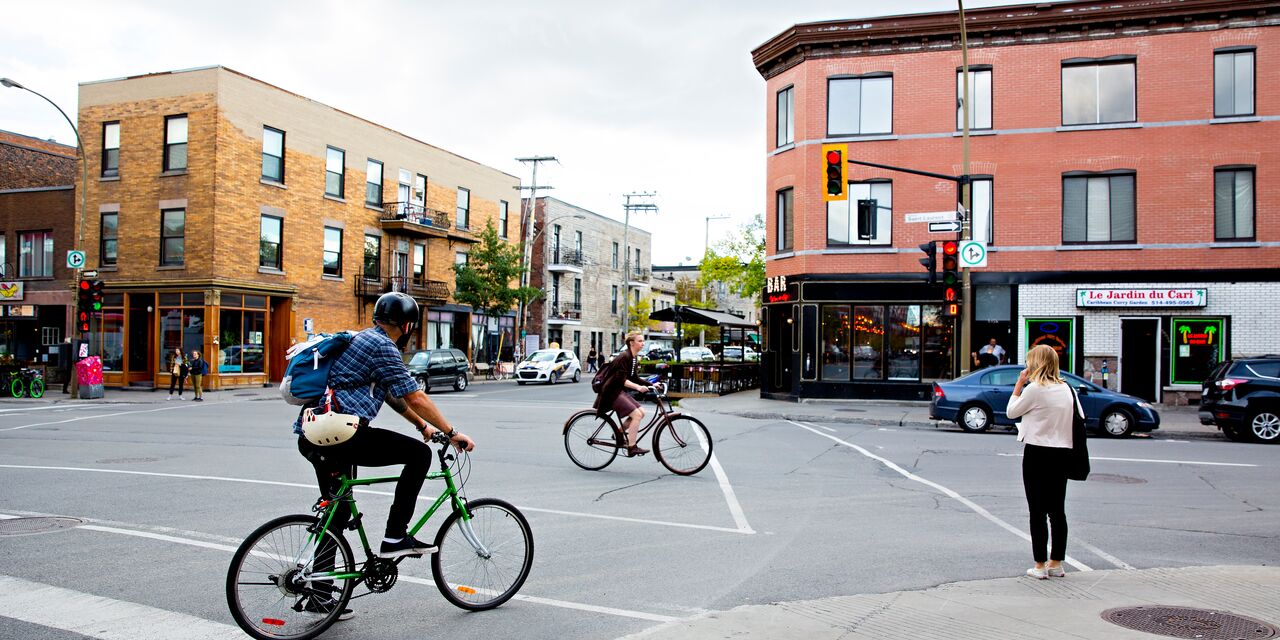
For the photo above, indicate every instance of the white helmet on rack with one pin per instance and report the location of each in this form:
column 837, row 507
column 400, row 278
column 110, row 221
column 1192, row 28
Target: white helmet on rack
column 327, row 428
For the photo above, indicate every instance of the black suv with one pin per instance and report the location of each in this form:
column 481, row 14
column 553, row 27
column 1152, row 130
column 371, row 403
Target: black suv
column 438, row 368
column 1242, row 397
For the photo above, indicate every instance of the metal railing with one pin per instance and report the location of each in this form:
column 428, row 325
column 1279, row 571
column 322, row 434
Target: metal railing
column 415, row 213
column 639, row 274
column 565, row 256
column 567, row 311
column 426, row 289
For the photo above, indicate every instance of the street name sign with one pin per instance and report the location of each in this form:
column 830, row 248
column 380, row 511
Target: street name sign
column 944, row 227
column 972, row 254
column 932, row 216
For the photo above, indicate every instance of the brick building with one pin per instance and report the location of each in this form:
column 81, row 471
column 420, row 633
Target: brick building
column 233, row 217
column 1115, row 148
column 37, row 228
column 590, row 274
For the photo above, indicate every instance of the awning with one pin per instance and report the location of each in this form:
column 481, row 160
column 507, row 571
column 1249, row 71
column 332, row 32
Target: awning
column 694, row 315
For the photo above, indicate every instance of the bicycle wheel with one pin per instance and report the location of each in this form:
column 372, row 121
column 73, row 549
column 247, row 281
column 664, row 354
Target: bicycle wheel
column 682, row 445
column 486, row 574
column 36, row 388
column 268, row 589
column 591, row 440
column 16, row 388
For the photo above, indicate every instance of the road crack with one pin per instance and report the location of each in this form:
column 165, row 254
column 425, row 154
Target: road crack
column 629, row 486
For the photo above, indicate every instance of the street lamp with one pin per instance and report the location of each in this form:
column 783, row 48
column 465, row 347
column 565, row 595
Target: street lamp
column 706, row 237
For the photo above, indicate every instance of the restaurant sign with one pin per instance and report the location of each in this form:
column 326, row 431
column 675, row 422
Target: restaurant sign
column 777, row 289
column 1149, row 297
column 10, row 291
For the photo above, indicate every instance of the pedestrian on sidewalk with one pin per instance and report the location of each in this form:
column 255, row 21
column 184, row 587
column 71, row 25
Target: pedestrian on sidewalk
column 198, row 366
column 178, row 370
column 1045, row 403
column 591, row 360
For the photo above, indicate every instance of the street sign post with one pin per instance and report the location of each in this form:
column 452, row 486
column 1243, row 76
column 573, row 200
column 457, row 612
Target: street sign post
column 944, row 227
column 973, row 254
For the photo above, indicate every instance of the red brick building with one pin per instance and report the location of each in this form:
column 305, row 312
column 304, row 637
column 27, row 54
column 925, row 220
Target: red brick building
column 1117, row 155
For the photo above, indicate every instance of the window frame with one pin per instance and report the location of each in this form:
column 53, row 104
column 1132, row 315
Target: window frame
column 375, row 260
column 614, row 301
column 342, row 175
column 169, row 147
column 324, row 251
column 1083, row 175
column 502, row 218
column 884, row 232
column 877, row 75
column 615, row 254
column 784, row 219
column 1253, row 89
column 45, row 250
column 784, row 136
column 974, row 70
column 463, row 212
column 112, row 171
column 371, row 187
column 1097, row 64
column 279, row 244
column 265, row 154
column 1235, row 169
column 418, row 270
column 165, row 259
column 990, row 212
column 103, row 239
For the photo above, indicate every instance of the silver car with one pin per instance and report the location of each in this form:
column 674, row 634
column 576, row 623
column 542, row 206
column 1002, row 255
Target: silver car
column 549, row 366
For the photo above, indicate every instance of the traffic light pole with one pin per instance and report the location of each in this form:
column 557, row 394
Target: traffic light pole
column 966, row 199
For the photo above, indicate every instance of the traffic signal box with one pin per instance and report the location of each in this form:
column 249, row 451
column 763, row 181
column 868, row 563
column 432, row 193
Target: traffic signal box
column 835, row 178
column 95, row 295
column 84, row 304
column 951, row 278
column 930, row 261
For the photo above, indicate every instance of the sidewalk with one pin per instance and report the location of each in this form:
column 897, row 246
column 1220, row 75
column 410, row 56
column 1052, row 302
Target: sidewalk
column 749, row 404
column 1017, row 607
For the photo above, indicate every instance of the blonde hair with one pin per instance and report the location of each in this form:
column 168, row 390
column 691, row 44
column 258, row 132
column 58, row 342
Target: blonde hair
column 631, row 337
column 1042, row 365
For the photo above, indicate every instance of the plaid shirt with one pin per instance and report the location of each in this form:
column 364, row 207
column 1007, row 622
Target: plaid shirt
column 365, row 373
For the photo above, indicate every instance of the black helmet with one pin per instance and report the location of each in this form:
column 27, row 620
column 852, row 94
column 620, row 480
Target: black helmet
column 395, row 308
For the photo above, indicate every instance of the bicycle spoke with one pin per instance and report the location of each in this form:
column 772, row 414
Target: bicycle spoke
column 683, row 445
column 475, row 580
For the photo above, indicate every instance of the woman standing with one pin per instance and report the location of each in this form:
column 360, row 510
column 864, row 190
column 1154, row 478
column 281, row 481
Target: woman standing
column 1044, row 402
column 178, row 370
column 198, row 368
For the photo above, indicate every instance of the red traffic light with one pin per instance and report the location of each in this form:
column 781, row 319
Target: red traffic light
column 950, row 247
column 950, row 294
column 84, row 285
column 833, row 157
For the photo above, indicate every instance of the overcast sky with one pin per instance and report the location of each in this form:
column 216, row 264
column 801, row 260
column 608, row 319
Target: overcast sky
column 646, row 96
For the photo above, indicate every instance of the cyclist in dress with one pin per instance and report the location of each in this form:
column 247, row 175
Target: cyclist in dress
column 620, row 377
column 368, row 373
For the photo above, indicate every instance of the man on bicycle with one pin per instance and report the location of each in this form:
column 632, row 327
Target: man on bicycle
column 620, row 377
column 368, row 373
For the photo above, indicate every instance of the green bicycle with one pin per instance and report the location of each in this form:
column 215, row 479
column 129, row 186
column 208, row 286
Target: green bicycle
column 293, row 576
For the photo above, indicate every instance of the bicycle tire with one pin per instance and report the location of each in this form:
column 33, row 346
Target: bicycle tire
column 683, row 445
column 261, row 568
column 16, row 388
column 471, row 580
column 36, row 388
column 581, row 430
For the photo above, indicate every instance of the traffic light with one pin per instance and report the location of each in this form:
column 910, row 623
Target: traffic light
column 82, row 321
column 84, row 296
column 930, row 261
column 835, row 176
column 95, row 295
column 951, row 277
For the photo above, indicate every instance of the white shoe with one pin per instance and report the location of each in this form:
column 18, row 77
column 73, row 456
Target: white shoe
column 1056, row 572
column 1038, row 574
column 169, row 398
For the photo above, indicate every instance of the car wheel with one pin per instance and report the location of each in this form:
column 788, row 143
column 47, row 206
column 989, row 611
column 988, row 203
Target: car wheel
column 423, row 386
column 975, row 418
column 577, row 375
column 1264, row 426
column 1117, row 424
column 1234, row 434
column 461, row 383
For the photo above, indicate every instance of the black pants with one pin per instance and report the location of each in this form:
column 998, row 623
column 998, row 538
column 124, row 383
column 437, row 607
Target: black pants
column 1044, row 477
column 373, row 447
column 176, row 381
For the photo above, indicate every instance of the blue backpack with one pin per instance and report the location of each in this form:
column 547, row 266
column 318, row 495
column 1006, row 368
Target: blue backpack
column 306, row 377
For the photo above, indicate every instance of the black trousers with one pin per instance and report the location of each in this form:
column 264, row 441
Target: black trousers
column 373, row 447
column 1044, row 477
column 177, row 381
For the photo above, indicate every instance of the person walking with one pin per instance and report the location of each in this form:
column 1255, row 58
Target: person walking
column 178, row 370
column 1045, row 403
column 591, row 360
column 620, row 377
column 199, row 367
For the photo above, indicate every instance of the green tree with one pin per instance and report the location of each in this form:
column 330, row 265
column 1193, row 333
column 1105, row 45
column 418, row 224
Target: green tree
column 486, row 281
column 638, row 315
column 690, row 293
column 737, row 261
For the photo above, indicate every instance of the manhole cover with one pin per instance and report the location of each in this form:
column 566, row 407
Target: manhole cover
column 1183, row 622
column 32, row 526
column 1115, row 479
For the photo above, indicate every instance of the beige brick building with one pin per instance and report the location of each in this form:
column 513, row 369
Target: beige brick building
column 233, row 217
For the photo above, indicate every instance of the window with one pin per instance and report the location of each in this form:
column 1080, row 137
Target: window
column 981, row 216
column 108, row 234
column 786, row 222
column 615, row 257
column 1233, row 204
column 461, row 259
column 110, row 149
column 332, row 251
column 502, row 218
column 785, row 115
column 848, row 223
column 614, row 304
column 35, row 254
column 1099, row 93
column 372, row 257
column 636, row 266
column 269, row 253
column 418, row 198
column 4, row 266
column 419, row 263
column 334, row 174
column 373, row 183
column 1098, row 208
column 175, row 143
column 979, row 98
column 464, row 208
column 577, row 243
column 273, row 155
column 861, row 105
column 577, row 293
column 1233, row 83
column 173, row 231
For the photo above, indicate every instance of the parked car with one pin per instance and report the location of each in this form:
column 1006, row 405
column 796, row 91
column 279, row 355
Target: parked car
column 977, row 401
column 434, row 368
column 660, row 353
column 696, row 354
column 550, row 366
column 1242, row 398
column 737, row 353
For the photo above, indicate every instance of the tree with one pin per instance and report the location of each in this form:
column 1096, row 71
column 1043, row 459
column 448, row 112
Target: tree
column 485, row 280
column 638, row 315
column 689, row 293
column 738, row 261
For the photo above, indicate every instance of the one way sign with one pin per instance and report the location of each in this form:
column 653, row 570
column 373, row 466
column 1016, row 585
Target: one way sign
column 944, row 227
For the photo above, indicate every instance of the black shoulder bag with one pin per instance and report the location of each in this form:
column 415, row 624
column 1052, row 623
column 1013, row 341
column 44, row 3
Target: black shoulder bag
column 1078, row 468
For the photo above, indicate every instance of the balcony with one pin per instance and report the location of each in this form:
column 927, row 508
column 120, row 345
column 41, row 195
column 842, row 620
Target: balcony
column 425, row 291
column 638, row 277
column 414, row 220
column 564, row 260
column 565, row 313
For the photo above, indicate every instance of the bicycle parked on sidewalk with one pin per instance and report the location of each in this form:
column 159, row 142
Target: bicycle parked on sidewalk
column 24, row 381
column 293, row 576
column 680, row 442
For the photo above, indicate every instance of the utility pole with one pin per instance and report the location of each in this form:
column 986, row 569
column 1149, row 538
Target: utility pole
column 627, row 208
column 966, row 199
column 527, row 238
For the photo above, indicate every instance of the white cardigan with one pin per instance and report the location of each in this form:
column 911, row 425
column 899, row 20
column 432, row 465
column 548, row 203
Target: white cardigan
column 1046, row 414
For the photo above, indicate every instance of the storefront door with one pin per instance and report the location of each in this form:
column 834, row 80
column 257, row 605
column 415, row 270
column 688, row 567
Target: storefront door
column 140, row 350
column 1140, row 358
column 778, row 351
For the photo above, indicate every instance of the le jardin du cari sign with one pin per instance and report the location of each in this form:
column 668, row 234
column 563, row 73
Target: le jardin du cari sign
column 1150, row 297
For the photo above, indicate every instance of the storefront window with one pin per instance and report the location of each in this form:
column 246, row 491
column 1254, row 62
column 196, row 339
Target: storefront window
column 938, row 338
column 1057, row 333
column 904, row 342
column 868, row 343
column 439, row 329
column 1197, row 348
column 836, row 331
column 180, row 329
column 110, row 331
column 254, row 348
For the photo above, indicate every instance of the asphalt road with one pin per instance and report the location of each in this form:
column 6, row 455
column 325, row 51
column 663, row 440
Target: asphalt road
column 165, row 491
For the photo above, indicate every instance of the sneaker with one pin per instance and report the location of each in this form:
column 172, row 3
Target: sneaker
column 406, row 546
column 170, row 397
column 1056, row 572
column 1038, row 574
column 635, row 450
column 323, row 605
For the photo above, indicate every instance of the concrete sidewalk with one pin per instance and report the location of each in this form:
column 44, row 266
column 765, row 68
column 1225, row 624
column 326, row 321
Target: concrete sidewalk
column 1018, row 607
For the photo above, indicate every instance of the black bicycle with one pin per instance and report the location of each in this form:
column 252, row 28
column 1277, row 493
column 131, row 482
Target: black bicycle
column 25, row 381
column 681, row 443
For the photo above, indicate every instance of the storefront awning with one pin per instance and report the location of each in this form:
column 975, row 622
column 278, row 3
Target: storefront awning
column 694, row 315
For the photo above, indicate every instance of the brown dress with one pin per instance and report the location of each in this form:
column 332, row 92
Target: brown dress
column 614, row 390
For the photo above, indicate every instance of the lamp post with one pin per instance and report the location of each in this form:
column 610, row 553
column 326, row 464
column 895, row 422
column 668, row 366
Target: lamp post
column 706, row 232
column 84, row 160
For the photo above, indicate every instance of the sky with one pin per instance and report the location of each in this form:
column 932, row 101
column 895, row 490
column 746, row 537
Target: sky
column 651, row 96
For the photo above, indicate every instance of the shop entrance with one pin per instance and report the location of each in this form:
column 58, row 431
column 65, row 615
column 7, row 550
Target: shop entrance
column 140, row 350
column 777, row 369
column 1140, row 358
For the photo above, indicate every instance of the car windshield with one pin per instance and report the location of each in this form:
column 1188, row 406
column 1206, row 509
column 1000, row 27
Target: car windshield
column 542, row 356
column 420, row 357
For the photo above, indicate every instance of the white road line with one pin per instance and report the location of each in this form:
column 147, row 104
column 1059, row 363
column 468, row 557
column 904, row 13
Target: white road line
column 959, row 498
column 100, row 415
column 1215, row 464
column 103, row 618
column 551, row 602
column 730, row 498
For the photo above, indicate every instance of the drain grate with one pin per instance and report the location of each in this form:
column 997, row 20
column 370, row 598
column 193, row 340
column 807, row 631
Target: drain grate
column 1185, row 622
column 1115, row 478
column 33, row 526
